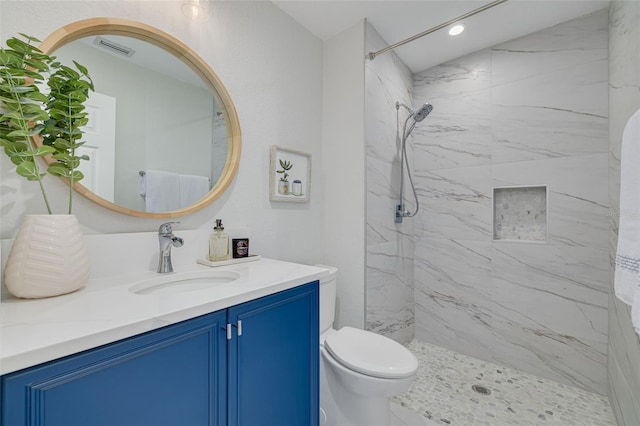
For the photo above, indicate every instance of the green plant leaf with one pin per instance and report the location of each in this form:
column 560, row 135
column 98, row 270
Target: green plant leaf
column 17, row 160
column 82, row 69
column 30, row 38
column 43, row 150
column 28, row 170
column 77, row 175
column 81, row 122
column 9, row 115
column 5, row 57
column 62, row 156
column 6, row 100
column 39, row 115
column 58, row 169
column 39, row 65
column 34, row 97
column 73, row 163
column 22, row 89
column 30, row 108
column 57, row 113
column 13, row 148
column 19, row 45
column 18, row 133
column 62, row 144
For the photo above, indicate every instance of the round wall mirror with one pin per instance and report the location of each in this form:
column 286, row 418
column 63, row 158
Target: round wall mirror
column 163, row 136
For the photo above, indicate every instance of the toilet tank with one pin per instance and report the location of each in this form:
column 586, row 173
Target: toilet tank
column 328, row 284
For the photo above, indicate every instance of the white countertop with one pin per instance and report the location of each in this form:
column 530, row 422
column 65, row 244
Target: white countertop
column 40, row 330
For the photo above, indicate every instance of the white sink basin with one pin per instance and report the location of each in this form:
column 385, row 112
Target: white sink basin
column 181, row 283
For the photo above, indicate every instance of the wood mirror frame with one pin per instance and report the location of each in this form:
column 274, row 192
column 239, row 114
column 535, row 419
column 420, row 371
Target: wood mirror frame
column 123, row 27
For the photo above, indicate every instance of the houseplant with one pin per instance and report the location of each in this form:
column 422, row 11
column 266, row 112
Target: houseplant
column 283, row 184
column 41, row 112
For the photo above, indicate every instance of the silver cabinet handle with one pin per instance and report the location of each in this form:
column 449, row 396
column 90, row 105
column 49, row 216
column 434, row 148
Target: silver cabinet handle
column 229, row 328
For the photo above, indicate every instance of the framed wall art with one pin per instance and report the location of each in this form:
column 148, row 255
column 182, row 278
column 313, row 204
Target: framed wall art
column 289, row 175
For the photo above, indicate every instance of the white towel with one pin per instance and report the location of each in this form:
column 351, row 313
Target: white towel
column 162, row 191
column 192, row 189
column 627, row 274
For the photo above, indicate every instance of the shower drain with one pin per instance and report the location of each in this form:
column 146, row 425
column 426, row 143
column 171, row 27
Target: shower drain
column 481, row 390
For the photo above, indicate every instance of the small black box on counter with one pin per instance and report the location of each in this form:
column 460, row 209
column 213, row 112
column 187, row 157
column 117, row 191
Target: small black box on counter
column 240, row 247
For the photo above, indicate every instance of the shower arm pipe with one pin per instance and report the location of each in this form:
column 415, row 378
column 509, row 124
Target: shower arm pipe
column 372, row 55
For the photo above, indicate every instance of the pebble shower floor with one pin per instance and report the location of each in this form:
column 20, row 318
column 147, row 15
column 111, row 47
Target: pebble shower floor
column 442, row 392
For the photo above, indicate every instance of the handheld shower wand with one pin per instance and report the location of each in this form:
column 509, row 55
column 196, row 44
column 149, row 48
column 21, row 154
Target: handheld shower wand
column 422, row 113
column 417, row 116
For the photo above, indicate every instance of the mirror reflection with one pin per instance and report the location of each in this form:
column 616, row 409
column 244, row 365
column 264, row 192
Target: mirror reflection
column 157, row 137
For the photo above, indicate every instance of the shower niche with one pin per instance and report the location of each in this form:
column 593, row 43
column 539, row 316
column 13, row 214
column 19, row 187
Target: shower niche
column 520, row 213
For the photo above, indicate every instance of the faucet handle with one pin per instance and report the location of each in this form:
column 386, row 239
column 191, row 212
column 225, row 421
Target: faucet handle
column 166, row 228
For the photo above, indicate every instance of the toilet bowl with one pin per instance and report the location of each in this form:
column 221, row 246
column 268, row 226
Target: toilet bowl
column 359, row 370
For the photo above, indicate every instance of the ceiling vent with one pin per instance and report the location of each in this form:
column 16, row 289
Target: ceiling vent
column 113, row 47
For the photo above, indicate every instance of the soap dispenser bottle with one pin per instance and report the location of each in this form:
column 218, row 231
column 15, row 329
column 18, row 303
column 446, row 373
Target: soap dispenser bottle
column 218, row 243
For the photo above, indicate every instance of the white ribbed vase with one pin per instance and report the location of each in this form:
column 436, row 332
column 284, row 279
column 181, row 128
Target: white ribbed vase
column 48, row 257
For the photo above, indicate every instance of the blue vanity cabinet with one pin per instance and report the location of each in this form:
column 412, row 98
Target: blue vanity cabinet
column 172, row 376
column 252, row 364
column 274, row 361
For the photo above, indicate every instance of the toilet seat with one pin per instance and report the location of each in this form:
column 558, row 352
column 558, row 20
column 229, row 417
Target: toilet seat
column 371, row 354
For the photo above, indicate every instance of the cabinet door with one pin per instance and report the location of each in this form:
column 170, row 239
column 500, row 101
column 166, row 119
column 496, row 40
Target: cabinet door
column 172, row 376
column 273, row 360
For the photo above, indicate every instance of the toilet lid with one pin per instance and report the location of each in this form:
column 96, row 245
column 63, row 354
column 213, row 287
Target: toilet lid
column 371, row 354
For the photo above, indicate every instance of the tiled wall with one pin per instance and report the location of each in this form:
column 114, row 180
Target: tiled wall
column 389, row 260
column 529, row 112
column 520, row 213
column 624, row 100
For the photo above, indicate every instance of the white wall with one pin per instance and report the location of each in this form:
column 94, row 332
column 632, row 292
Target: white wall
column 344, row 170
column 272, row 68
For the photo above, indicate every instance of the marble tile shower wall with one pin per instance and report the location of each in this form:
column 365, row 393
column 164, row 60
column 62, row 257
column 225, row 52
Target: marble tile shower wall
column 624, row 99
column 532, row 111
column 389, row 275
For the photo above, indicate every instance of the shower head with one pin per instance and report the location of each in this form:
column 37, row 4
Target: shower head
column 417, row 116
column 422, row 112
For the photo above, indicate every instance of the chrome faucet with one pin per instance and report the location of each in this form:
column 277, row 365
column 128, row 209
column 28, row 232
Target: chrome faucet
column 167, row 240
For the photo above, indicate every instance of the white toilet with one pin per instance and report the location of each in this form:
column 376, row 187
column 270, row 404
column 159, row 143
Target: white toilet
column 359, row 370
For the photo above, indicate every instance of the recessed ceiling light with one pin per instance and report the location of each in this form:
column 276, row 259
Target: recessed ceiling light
column 456, row 29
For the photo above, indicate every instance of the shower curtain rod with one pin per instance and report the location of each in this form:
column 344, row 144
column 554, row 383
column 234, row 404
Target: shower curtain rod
column 372, row 55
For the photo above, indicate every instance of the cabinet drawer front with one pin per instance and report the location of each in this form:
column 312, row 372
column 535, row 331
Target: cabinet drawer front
column 171, row 376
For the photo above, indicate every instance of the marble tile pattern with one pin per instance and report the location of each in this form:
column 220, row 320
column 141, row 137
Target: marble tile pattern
column 520, row 213
column 389, row 258
column 442, row 393
column 529, row 112
column 624, row 100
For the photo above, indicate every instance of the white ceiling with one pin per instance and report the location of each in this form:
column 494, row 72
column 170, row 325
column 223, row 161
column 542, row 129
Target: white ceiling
column 396, row 20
